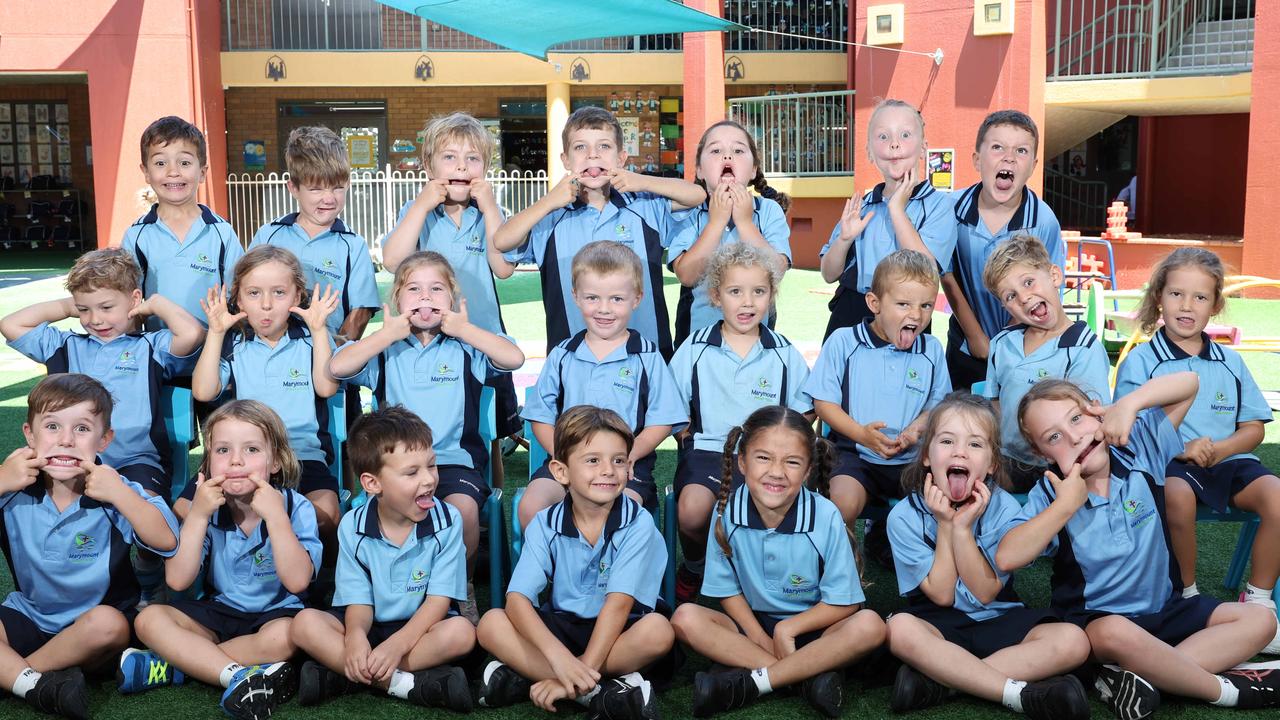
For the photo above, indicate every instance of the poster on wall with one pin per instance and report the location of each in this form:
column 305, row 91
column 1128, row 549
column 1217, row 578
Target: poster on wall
column 630, row 134
column 6, row 133
column 42, row 113
column 941, row 168
column 44, row 154
column 60, row 113
column 64, row 153
column 24, row 133
column 1078, row 160
column 6, row 154
column 360, row 152
column 5, row 112
column 255, row 155
column 20, row 113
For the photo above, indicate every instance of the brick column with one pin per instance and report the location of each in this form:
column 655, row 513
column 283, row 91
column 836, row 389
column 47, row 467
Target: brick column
column 1262, row 185
column 703, row 82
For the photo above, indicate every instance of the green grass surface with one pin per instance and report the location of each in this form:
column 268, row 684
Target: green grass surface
column 802, row 317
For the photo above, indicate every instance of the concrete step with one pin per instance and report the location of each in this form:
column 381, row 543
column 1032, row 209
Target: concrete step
column 1209, row 61
column 1226, row 25
column 1212, row 48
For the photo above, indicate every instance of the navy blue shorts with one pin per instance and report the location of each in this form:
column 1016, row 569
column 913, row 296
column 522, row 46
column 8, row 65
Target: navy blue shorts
column 964, row 369
column 505, row 404
column 575, row 632
column 460, row 479
column 703, row 467
column 316, row 476
column 152, row 479
column 982, row 638
column 378, row 631
column 22, row 633
column 882, row 482
column 226, row 622
column 770, row 623
column 1178, row 620
column 642, row 484
column 1215, row 486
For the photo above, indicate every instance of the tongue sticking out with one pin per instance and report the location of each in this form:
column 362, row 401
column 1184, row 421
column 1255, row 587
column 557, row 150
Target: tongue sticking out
column 595, row 172
column 425, row 502
column 906, row 336
column 958, row 484
column 1040, row 312
column 1004, row 180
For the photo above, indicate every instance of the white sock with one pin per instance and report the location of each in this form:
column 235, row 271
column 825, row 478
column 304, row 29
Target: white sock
column 1190, row 591
column 25, row 682
column 585, row 698
column 1261, row 596
column 400, row 685
column 1013, row 695
column 229, row 672
column 761, row 677
column 1230, row 694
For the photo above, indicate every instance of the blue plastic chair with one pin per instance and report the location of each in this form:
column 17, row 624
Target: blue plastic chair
column 180, row 426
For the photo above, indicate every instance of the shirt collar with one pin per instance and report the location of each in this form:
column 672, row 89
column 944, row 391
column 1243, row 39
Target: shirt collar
column 1168, row 350
column 876, row 195
column 38, row 491
column 740, row 510
column 292, row 219
column 437, row 519
column 634, row 346
column 153, row 215
column 865, row 335
column 769, row 340
column 622, row 514
column 1026, row 216
column 615, row 198
column 1071, row 336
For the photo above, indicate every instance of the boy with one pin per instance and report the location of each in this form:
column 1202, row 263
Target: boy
column 604, row 559
column 608, row 365
column 182, row 247
column 401, row 568
column 598, row 198
column 67, row 524
column 874, row 383
column 1042, row 343
column 986, row 214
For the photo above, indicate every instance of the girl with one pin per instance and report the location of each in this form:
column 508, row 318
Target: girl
column 903, row 212
column 728, row 165
column 257, row 349
column 784, row 572
column 1100, row 513
column 964, row 626
column 258, row 535
column 724, row 372
column 431, row 359
column 1224, row 425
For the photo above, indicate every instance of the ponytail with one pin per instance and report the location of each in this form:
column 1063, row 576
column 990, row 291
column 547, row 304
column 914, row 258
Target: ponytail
column 726, row 482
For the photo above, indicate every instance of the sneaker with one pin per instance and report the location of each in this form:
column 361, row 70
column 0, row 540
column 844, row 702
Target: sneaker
column 688, row 584
column 913, row 690
column 629, row 697
column 443, row 686
column 318, row 684
column 713, row 693
column 142, row 670
column 1263, row 600
column 1258, row 683
column 468, row 608
column 255, row 691
column 1126, row 694
column 61, row 692
column 501, row 686
column 825, row 693
column 1056, row 698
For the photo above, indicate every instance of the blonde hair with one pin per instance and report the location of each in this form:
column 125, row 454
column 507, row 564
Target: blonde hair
column 887, row 104
column 456, row 127
column 1021, row 249
column 1199, row 258
column 902, row 266
column 106, row 269
column 743, row 255
column 421, row 259
column 265, row 419
column 262, row 255
column 1048, row 389
column 580, row 423
column 316, row 154
column 605, row 257
column 976, row 408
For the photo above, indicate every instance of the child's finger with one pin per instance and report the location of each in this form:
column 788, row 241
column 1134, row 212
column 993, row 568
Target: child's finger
column 1053, row 479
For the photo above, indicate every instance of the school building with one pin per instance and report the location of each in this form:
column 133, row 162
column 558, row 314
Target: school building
column 1158, row 90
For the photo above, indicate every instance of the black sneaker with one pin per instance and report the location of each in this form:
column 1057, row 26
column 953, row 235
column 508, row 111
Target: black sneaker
column 825, row 693
column 1258, row 683
column 443, row 686
column 1056, row 698
column 257, row 690
column 913, row 690
column 1126, row 694
column 61, row 692
column 501, row 686
column 629, row 697
column 318, row 684
column 713, row 693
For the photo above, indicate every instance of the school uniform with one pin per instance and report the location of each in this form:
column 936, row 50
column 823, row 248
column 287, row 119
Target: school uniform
column 632, row 381
column 930, row 212
column 1228, row 396
column 694, row 310
column 132, row 367
column 183, row 269
column 629, row 557
column 641, row 221
column 973, row 245
column 721, row 390
column 66, row 562
column 1077, row 355
column 872, row 380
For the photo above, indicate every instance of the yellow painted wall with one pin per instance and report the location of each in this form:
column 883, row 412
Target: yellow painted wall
column 825, row 186
column 1201, row 94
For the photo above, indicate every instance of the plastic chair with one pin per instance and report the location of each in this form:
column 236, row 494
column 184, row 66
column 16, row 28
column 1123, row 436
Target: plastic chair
column 180, row 426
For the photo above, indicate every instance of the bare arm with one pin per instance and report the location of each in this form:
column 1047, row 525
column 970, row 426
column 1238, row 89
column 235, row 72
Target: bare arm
column 517, row 227
column 188, row 333
column 972, row 565
column 648, row 440
column 504, row 354
column 609, row 624
column 354, row 324
column 20, row 322
column 402, row 241
column 979, row 343
column 182, row 569
column 206, row 380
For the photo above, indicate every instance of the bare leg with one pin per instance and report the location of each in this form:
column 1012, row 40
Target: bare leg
column 321, row 636
column 648, row 639
column 1263, row 497
column 715, row 636
column 539, row 494
column 328, row 513
column 444, row 642
column 849, row 496
column 470, row 512
column 497, row 635
column 1180, row 512
column 693, row 509
column 839, row 646
column 96, row 636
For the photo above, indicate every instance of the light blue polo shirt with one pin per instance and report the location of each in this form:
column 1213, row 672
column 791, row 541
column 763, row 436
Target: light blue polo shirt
column 768, row 217
column 396, row 580
column 629, row 557
column 465, row 246
column 280, row 376
column 336, row 257
column 785, row 570
column 132, row 367
column 641, row 221
column 872, row 380
column 183, row 269
column 632, row 381
column 974, row 244
column 930, row 212
column 243, row 567
column 1075, row 355
column 913, row 534
column 1112, row 556
column 65, row 563
column 721, row 389
column 1228, row 394
column 441, row 383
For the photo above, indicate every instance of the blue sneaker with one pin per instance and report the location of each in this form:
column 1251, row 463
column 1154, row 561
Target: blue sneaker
column 255, row 691
column 142, row 670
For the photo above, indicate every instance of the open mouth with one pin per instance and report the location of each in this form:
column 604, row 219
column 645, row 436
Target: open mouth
column 425, row 501
column 604, row 485
column 1004, row 179
column 593, row 172
column 459, row 182
column 727, row 172
column 62, row 461
column 1087, row 452
column 1039, row 312
column 745, row 318
column 958, row 485
column 774, row 487
column 907, row 335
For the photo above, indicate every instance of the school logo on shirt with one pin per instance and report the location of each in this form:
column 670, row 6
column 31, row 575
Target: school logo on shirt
column 798, row 585
column 913, row 381
column 762, row 390
column 127, row 362
column 624, row 381
column 1042, row 374
column 84, row 549
column 1139, row 513
column 1221, row 405
column 297, row 379
column 444, row 374
column 263, row 566
column 475, row 245
column 417, row 582
column 327, row 268
column 204, row 264
column 622, row 232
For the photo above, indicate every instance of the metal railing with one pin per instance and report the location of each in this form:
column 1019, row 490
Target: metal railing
column 374, row 199
column 814, row 19
column 800, row 134
column 1078, row 204
column 1149, row 38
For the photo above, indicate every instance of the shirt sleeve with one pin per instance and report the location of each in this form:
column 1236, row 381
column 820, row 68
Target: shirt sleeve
column 362, row 289
column 306, row 530
column 938, row 231
column 449, row 568
column 656, row 212
column 826, row 382
column 718, row 579
column 1038, row 501
column 665, row 404
column 1132, row 373
column 912, row 557
column 941, row 384
column 684, row 233
column 161, row 352
column 640, row 561
column 1051, row 234
column 991, row 388
column 839, row 584
column 774, row 227
column 997, row 519
column 260, row 236
column 234, row 252
column 367, row 375
column 352, row 584
column 797, row 379
column 1154, row 442
column 532, row 572
column 481, row 366
column 540, row 400
column 1091, row 369
column 1253, row 405
column 126, row 528
column 40, row 342
column 534, row 247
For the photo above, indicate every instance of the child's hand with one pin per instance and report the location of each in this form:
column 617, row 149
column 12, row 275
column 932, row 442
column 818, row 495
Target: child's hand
column 762, row 641
column 208, row 497
column 1199, row 452
column 101, row 482
column 434, row 192
column 937, row 501
column 744, row 206
column 1070, row 490
column 141, row 310
column 720, row 204
column 385, row 658
column 576, row 676
column 482, row 193
column 878, row 442
column 356, row 658
column 396, row 325
column 545, row 694
column 20, row 469
column 902, row 193
column 851, row 225
column 909, row 436
column 565, row 192
column 784, row 640
column 624, row 180
column 267, row 501
column 215, row 309
column 321, row 307
column 1117, row 421
column 454, row 323
column 970, row 510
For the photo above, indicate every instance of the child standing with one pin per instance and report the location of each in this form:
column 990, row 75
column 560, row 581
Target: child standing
column 783, row 571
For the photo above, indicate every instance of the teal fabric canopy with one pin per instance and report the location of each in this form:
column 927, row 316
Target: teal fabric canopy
column 532, row 26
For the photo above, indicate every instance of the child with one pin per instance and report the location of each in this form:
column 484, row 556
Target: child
column 723, row 373
column 259, row 538
column 67, row 524
column 183, row 248
column 1042, row 343
column 606, row 365
column 105, row 296
column 783, row 571
column 1100, row 513
column 987, row 213
column 874, row 384
column 401, row 567
column 903, row 212
column 329, row 252
column 258, row 350
column 598, row 197
column 728, row 167
column 964, row 627
column 603, row 558
column 1223, row 426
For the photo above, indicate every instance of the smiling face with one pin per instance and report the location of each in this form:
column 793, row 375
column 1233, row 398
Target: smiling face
column 104, row 312
column 745, row 295
column 776, row 466
column 67, row 437
column 406, row 483
column 596, row 469
column 1005, row 160
column 423, row 296
column 459, row 162
column 238, row 451
column 266, row 294
column 1188, row 301
column 173, row 170
column 1064, row 434
column 903, row 312
column 1031, row 295
column 895, row 141
column 960, row 454
column 606, row 302
column 590, row 154
column 319, row 202
column 726, row 157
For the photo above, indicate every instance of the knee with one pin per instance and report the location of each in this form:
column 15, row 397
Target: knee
column 1261, row 620
column 1108, row 635
column 694, row 515
column 104, row 628
column 904, row 634
column 277, row 638
column 683, row 621
column 303, row 625
column 492, row 624
column 149, row 621
column 459, row 637
column 656, row 632
column 849, row 498
column 1070, row 643
column 866, row 628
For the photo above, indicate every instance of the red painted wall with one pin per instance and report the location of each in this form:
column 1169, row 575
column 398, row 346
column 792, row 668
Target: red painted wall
column 1194, row 166
column 1262, row 184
